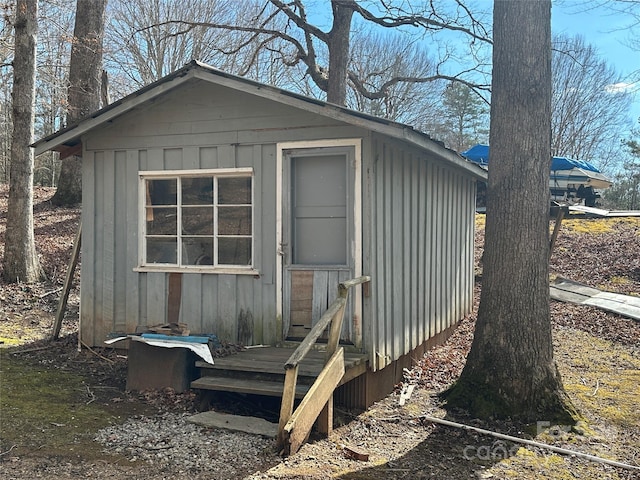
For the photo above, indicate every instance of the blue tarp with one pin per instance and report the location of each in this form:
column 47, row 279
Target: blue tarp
column 480, row 154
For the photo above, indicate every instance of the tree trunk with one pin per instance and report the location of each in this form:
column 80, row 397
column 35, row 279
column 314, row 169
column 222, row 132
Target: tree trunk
column 85, row 72
column 338, row 44
column 20, row 257
column 510, row 370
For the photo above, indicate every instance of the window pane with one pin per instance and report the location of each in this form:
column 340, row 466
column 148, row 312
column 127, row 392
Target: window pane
column 162, row 221
column 162, row 250
column 234, row 220
column 234, row 251
column 197, row 221
column 197, row 251
column 197, row 191
column 162, row 192
column 234, row 190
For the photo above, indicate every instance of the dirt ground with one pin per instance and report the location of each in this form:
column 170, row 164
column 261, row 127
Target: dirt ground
column 54, row 396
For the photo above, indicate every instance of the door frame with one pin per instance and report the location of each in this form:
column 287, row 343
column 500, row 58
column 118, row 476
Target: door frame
column 355, row 244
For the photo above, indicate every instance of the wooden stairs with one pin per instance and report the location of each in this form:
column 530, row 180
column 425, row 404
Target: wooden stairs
column 260, row 371
column 306, row 372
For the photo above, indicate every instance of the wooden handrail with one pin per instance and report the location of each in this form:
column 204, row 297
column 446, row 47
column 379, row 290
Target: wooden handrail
column 355, row 281
column 326, row 382
column 298, row 355
column 326, row 319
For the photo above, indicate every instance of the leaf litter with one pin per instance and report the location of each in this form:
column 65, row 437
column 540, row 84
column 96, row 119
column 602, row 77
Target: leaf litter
column 598, row 355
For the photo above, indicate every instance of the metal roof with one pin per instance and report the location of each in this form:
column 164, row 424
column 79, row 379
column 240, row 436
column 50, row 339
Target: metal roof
column 70, row 136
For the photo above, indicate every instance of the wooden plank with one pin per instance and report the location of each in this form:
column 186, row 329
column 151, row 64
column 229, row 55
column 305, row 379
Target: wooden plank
column 68, row 281
column 297, row 429
column 106, row 205
column 286, row 406
column 320, row 300
column 172, row 158
column 208, row 157
column 156, row 286
column 301, row 297
column 132, row 278
column 88, row 253
column 336, row 328
column 395, row 275
column 406, row 319
column 191, row 158
column 174, row 297
column 430, row 252
column 573, row 292
column 416, row 221
column 272, row 359
column 298, row 332
column 227, row 304
column 556, row 228
column 325, row 418
column 227, row 155
column 348, row 324
column 617, row 297
column 121, row 206
column 209, row 302
column 315, row 333
column 240, row 385
column 627, row 310
column 191, row 303
column 421, row 256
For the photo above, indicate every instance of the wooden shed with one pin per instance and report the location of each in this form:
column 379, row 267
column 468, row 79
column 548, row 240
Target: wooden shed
column 237, row 208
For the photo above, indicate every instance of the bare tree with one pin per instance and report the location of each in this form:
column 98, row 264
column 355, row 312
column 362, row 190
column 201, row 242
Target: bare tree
column 510, row 370
column 20, row 258
column 6, row 58
column 588, row 111
column 325, row 54
column 85, row 73
column 145, row 40
column 376, row 59
column 55, row 35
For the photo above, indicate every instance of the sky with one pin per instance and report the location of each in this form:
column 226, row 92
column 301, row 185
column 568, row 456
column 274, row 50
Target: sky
column 609, row 33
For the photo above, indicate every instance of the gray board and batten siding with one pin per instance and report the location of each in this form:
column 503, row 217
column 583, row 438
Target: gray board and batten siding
column 224, row 131
column 415, row 210
column 421, row 250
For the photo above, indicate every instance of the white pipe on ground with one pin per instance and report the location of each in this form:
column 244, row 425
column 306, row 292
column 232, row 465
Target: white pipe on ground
column 502, row 436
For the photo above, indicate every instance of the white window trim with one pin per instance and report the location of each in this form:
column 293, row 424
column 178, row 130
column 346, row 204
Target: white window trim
column 170, row 268
column 356, row 143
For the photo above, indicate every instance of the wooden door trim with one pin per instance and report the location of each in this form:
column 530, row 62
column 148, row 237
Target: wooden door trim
column 281, row 148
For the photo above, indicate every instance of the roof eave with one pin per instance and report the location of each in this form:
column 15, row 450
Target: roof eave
column 71, row 135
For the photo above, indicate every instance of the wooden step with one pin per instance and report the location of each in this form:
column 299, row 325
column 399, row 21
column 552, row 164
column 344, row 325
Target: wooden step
column 241, row 385
column 259, row 371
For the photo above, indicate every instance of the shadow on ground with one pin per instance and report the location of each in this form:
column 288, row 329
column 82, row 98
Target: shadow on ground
column 446, row 454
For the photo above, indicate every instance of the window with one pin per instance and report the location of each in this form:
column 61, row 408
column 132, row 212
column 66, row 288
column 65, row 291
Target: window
column 198, row 219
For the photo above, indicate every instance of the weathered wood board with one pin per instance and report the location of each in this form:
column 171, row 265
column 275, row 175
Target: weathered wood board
column 566, row 290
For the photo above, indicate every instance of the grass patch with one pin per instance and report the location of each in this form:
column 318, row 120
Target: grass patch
column 48, row 411
column 598, row 226
column 602, row 380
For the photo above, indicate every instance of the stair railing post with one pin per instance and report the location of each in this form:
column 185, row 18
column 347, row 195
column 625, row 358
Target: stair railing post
column 288, row 399
column 335, row 329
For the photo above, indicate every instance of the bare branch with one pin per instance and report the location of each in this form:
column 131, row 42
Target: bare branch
column 300, row 20
column 383, row 90
column 389, row 21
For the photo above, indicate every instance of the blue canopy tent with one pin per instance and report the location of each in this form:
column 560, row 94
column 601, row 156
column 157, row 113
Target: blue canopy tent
column 569, row 178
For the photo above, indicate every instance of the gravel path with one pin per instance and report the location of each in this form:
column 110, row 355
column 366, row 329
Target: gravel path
column 170, row 441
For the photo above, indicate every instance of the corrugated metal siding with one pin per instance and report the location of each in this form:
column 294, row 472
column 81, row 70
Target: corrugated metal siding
column 200, row 127
column 421, row 259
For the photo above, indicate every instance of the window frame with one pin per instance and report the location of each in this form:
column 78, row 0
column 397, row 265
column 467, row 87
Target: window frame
column 216, row 173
